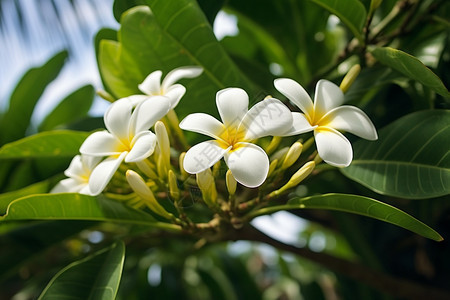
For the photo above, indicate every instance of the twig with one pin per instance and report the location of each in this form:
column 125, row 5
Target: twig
column 397, row 287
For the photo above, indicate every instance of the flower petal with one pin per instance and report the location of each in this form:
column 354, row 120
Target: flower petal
column 117, row 118
column 178, row 73
column 174, row 93
column 101, row 143
column 299, row 125
column 296, row 93
column 103, row 173
column 249, row 164
column 232, row 104
column 75, row 169
column 89, row 162
column 147, row 113
column 333, row 147
column 350, row 119
column 68, row 185
column 85, row 190
column 151, row 84
column 143, row 146
column 202, row 156
column 135, row 100
column 204, row 124
column 268, row 117
column 328, row 96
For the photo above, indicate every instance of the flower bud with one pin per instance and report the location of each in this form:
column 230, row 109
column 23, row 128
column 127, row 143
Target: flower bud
column 147, row 167
column 183, row 172
column 302, row 173
column 164, row 148
column 350, row 78
column 279, row 155
column 231, row 183
column 298, row 177
column 272, row 167
column 274, row 143
column 206, row 183
column 292, row 155
column 173, row 187
column 142, row 190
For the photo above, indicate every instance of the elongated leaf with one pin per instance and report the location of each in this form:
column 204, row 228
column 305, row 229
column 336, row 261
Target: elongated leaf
column 351, row 12
column 78, row 207
column 411, row 67
column 25, row 96
column 62, row 143
column 22, row 242
column 95, row 277
column 410, row 159
column 72, row 108
column 358, row 205
column 151, row 39
column 7, row 198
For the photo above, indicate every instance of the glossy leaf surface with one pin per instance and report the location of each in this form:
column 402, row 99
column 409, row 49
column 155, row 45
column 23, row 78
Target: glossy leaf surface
column 410, row 159
column 94, row 277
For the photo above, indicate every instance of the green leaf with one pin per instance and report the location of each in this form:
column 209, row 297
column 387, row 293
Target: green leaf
column 120, row 6
column 7, row 198
column 94, row 277
column 410, row 159
column 78, row 207
column 151, row 39
column 22, row 242
column 61, row 143
column 72, row 108
column 25, row 96
column 351, row 12
column 411, row 67
column 358, row 205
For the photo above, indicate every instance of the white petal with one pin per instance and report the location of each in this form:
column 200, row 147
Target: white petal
column 135, row 100
column 299, row 125
column 249, row 164
column 86, row 190
column 147, row 113
column 232, row 104
column 202, row 156
column 143, row 146
column 101, row 143
column 328, row 96
column 204, row 124
column 151, row 84
column 117, row 118
column 350, row 119
column 75, row 168
column 89, row 162
column 268, row 117
column 333, row 147
column 68, row 185
column 178, row 73
column 296, row 93
column 174, row 93
column 103, row 173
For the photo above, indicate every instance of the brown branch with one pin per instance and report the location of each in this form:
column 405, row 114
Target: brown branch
column 397, row 287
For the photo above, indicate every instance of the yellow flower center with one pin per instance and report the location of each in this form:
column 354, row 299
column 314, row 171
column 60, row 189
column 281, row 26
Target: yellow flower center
column 231, row 137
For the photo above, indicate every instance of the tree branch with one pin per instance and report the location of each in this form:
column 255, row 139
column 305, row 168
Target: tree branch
column 397, row 287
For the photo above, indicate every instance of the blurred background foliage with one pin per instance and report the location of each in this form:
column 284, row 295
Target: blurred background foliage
column 297, row 39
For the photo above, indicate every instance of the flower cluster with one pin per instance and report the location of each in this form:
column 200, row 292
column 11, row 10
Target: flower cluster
column 130, row 160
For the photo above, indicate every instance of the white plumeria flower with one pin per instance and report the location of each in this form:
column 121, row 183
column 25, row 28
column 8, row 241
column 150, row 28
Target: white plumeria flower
column 325, row 117
column 248, row 163
column 127, row 137
column 152, row 85
column 79, row 171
